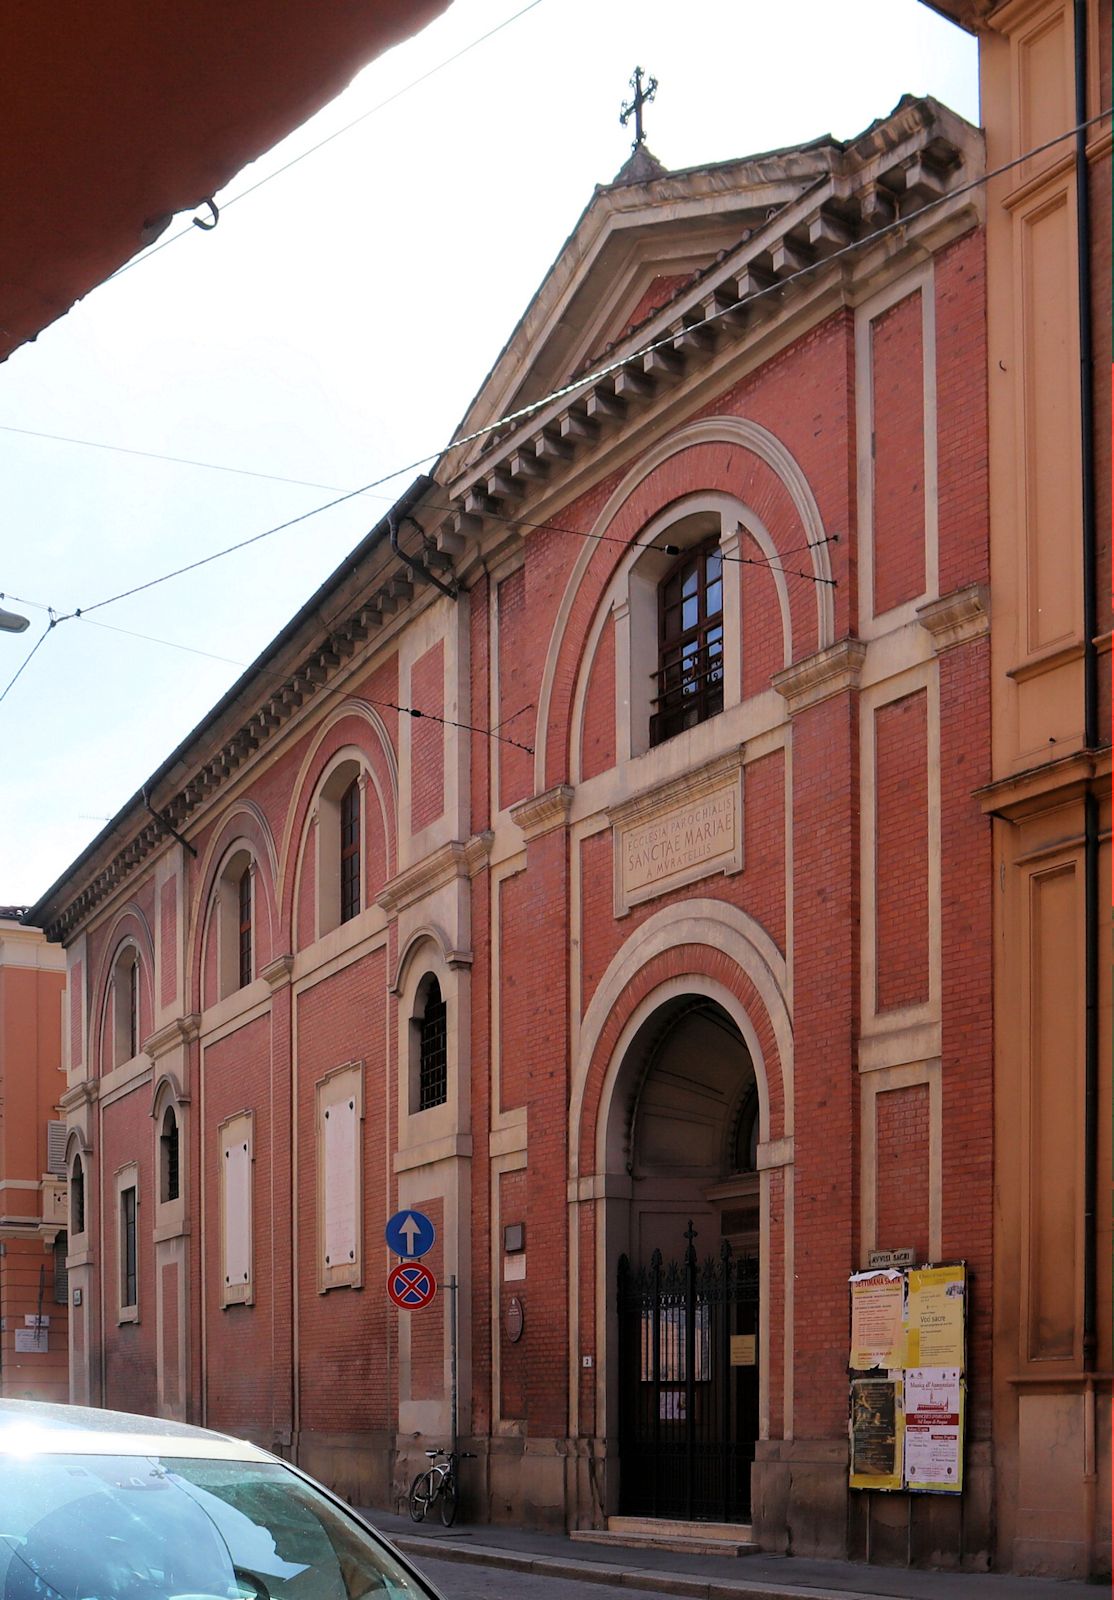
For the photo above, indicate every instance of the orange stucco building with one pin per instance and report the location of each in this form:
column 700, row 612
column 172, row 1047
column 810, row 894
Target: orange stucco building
column 34, row 1358
column 1046, row 69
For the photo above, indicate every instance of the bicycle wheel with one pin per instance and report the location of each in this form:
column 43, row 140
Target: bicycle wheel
column 421, row 1493
column 448, row 1500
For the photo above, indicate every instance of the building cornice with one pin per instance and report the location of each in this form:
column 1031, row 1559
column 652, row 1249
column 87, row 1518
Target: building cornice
column 1045, row 787
column 452, row 861
column 829, row 672
column 956, row 618
column 543, row 812
column 180, row 1031
column 277, row 972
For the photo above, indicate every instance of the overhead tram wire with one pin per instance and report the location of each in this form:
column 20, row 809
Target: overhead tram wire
column 591, row 377
column 382, row 105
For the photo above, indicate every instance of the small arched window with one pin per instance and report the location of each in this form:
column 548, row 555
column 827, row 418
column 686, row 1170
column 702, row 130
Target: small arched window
column 243, row 903
column 350, row 852
column 689, row 677
column 77, row 1197
column 169, row 1158
column 433, row 1059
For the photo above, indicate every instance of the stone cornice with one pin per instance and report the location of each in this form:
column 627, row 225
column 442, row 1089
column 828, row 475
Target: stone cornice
column 543, row 812
column 1047, row 786
column 277, row 972
column 181, row 1031
column 829, row 672
column 79, row 1094
column 689, row 786
column 956, row 618
column 444, row 866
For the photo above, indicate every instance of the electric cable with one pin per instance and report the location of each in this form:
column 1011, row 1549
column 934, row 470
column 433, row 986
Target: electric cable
column 424, row 77
column 611, row 367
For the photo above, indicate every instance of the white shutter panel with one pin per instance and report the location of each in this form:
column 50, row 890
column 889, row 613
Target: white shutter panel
column 56, row 1149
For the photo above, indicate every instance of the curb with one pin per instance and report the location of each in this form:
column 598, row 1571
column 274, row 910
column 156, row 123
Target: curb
column 655, row 1582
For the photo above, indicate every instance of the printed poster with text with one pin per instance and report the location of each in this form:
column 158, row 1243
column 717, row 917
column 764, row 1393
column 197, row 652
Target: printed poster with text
column 934, row 1429
column 877, row 1311
column 935, row 1317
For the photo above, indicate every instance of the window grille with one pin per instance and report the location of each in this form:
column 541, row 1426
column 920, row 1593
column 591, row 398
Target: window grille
column 61, row 1276
column 77, row 1196
column 245, row 927
column 169, row 1150
column 350, row 852
column 433, row 1069
column 133, row 1008
column 689, row 679
column 127, row 1247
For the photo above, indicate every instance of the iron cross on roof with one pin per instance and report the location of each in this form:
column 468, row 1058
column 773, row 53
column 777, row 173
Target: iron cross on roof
column 641, row 97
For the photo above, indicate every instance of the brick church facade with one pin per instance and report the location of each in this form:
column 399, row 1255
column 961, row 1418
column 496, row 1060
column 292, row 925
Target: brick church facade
column 667, row 921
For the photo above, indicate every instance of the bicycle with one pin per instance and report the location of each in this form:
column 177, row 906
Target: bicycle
column 437, row 1485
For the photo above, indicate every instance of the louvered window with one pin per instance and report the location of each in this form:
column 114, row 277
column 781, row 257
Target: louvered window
column 56, row 1149
column 77, row 1196
column 61, row 1276
column 127, row 1248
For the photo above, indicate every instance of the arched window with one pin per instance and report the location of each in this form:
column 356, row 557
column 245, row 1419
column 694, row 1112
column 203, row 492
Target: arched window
column 350, row 852
column 125, row 1006
column 243, row 901
column 433, row 1060
column 169, row 1158
column 77, row 1197
column 689, row 677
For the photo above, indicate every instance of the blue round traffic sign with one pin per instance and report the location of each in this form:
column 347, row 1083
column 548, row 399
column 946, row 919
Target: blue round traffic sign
column 410, row 1234
column 411, row 1285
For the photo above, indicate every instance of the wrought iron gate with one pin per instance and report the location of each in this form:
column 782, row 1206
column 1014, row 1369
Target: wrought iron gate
column 688, row 1385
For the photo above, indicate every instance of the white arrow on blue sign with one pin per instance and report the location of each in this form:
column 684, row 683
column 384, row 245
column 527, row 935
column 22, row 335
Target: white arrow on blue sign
column 410, row 1234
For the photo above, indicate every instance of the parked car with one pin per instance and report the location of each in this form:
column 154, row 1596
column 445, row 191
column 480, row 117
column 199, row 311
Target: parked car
column 99, row 1505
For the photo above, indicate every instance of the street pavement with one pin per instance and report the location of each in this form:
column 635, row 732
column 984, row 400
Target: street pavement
column 470, row 1562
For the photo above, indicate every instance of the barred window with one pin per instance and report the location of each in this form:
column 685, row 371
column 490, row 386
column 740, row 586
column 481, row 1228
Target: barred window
column 77, row 1197
column 133, row 1010
column 433, row 1074
column 169, row 1158
column 244, row 904
column 128, row 1297
column 61, row 1276
column 689, row 679
column 350, row 852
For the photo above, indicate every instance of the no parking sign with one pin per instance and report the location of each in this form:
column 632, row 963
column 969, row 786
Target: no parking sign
column 411, row 1285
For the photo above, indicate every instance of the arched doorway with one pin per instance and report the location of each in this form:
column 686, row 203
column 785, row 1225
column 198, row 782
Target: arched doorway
column 687, row 1285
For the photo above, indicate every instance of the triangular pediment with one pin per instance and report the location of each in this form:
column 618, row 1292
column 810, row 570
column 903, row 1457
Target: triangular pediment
column 641, row 241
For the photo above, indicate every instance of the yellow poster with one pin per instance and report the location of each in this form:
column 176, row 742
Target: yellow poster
column 876, row 1425
column 877, row 1332
column 935, row 1317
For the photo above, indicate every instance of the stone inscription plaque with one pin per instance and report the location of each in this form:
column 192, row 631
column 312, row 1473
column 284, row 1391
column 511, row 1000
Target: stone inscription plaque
column 681, row 843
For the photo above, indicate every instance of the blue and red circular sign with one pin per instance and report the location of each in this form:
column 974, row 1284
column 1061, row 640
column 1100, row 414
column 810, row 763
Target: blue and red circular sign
column 411, row 1285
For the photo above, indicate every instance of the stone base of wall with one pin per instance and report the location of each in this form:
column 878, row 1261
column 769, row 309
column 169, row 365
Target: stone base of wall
column 356, row 1466
column 799, row 1497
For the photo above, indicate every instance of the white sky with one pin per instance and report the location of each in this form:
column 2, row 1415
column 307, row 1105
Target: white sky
column 334, row 326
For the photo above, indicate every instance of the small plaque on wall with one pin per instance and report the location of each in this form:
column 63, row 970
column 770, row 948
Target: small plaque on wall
column 744, row 1349
column 514, row 1320
column 679, row 832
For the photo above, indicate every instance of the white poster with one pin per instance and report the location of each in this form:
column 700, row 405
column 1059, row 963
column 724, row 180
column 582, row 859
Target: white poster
column 934, row 1429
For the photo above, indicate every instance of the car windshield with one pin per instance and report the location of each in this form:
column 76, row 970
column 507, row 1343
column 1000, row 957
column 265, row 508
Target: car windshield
column 158, row 1528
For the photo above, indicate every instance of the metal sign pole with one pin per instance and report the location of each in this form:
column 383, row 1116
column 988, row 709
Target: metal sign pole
column 452, row 1358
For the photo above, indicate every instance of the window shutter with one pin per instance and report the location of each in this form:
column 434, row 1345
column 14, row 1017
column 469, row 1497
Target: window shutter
column 56, row 1149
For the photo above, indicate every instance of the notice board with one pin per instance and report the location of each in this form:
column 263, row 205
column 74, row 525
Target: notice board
column 907, row 1361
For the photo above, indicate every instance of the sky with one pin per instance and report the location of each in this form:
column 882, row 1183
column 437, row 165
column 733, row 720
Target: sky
column 333, row 328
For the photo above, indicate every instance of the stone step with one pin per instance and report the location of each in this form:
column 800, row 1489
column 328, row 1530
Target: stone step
column 737, row 1532
column 677, row 1542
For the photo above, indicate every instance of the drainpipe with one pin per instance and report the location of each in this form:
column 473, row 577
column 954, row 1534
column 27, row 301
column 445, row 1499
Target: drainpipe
column 415, row 563
column 1090, row 700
